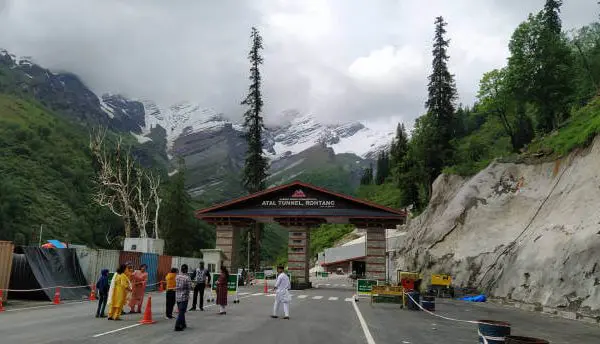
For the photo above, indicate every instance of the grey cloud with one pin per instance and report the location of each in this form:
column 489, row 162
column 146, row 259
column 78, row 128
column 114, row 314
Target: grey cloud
column 196, row 50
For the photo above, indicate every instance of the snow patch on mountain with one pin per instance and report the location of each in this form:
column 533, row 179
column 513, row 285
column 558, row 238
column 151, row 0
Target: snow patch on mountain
column 296, row 133
column 304, row 131
column 182, row 119
column 140, row 138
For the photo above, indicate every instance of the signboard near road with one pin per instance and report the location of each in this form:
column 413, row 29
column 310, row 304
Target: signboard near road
column 364, row 287
column 232, row 283
column 259, row 275
column 298, row 199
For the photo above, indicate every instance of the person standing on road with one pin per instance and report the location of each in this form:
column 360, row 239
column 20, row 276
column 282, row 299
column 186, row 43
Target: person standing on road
column 183, row 286
column 282, row 294
column 119, row 294
column 170, row 278
column 102, row 286
column 202, row 279
column 138, row 279
column 222, row 290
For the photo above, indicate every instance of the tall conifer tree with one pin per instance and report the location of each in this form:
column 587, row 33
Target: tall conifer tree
column 255, row 168
column 440, row 104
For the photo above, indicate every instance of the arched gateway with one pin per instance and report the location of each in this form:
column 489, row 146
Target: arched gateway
column 299, row 207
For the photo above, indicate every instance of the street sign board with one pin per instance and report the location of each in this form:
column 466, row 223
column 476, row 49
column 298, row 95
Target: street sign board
column 364, row 287
column 232, row 283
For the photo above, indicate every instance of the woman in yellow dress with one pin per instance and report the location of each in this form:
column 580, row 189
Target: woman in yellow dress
column 121, row 287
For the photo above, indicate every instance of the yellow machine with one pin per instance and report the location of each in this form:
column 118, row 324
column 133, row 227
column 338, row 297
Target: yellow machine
column 441, row 280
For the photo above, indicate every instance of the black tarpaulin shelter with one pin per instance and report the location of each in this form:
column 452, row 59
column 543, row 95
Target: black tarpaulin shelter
column 35, row 268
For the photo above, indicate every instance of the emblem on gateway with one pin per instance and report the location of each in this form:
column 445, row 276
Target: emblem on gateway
column 298, row 194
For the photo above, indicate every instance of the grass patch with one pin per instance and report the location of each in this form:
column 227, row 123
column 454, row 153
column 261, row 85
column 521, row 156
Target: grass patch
column 578, row 131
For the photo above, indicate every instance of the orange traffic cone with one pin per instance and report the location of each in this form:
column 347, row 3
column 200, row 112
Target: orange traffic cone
column 1, row 306
column 266, row 288
column 57, row 296
column 93, row 293
column 148, row 313
column 160, row 287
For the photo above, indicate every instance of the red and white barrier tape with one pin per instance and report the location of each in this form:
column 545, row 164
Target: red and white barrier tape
column 64, row 287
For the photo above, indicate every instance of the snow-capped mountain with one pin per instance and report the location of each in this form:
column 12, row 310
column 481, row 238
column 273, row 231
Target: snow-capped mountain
column 297, row 133
column 304, row 131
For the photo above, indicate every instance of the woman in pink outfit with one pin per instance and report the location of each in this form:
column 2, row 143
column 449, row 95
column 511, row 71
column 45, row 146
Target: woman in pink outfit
column 139, row 280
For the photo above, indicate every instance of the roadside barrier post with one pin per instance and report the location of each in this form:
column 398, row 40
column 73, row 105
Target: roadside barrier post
column 1, row 298
column 56, row 296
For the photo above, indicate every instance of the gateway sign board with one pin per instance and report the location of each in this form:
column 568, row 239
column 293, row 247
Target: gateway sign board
column 298, row 199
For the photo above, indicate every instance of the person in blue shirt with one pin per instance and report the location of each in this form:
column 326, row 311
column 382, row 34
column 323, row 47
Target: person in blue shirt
column 102, row 287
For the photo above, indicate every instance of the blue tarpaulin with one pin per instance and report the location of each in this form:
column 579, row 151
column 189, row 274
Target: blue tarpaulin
column 57, row 243
column 478, row 298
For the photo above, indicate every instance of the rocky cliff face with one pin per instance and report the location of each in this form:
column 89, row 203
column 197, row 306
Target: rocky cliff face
column 529, row 233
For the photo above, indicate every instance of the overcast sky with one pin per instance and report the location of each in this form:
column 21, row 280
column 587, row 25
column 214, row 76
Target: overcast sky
column 338, row 59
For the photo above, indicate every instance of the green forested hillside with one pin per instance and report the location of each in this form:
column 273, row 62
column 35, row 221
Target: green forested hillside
column 45, row 178
column 541, row 105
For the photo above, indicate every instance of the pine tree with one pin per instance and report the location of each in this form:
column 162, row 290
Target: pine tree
column 367, row 177
column 399, row 145
column 255, row 168
column 440, row 103
column 553, row 79
column 383, row 168
column 177, row 216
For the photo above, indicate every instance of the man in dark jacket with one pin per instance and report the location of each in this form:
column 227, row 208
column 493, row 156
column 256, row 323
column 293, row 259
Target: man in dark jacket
column 102, row 286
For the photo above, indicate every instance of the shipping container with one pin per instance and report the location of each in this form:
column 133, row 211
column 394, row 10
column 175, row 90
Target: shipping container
column 6, row 259
column 130, row 257
column 107, row 259
column 176, row 262
column 151, row 260
column 164, row 267
column 88, row 261
column 92, row 261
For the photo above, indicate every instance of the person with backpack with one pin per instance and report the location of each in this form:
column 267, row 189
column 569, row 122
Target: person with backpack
column 102, row 287
column 202, row 278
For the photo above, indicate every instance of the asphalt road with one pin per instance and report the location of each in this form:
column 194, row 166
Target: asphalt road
column 322, row 315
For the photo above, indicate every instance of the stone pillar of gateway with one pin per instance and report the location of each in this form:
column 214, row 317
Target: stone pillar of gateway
column 228, row 243
column 299, row 255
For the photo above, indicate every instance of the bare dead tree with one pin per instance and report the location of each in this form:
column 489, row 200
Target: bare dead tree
column 123, row 186
column 154, row 184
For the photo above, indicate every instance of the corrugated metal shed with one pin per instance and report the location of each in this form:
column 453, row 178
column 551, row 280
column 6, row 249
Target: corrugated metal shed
column 164, row 267
column 6, row 259
column 151, row 260
column 130, row 257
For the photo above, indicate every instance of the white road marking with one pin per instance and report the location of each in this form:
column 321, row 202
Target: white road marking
column 242, row 294
column 113, row 331
column 317, row 297
column 348, row 299
column 336, row 285
column 135, row 325
column 333, row 298
column 270, row 294
column 363, row 324
column 327, row 284
column 302, row 296
column 257, row 294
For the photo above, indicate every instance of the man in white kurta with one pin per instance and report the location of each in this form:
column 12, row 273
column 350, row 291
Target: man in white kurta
column 282, row 294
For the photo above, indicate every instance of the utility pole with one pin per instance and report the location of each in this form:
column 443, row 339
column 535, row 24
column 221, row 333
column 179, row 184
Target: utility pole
column 40, row 240
column 248, row 259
